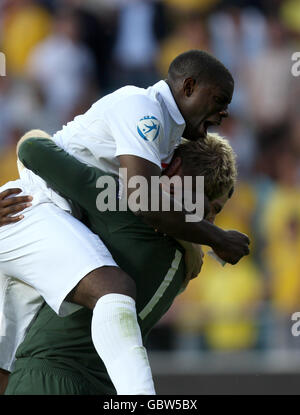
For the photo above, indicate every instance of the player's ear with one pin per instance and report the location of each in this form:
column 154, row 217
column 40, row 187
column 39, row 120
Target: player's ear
column 189, row 86
column 174, row 168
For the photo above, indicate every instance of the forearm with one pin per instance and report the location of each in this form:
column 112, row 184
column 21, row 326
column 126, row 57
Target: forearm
column 161, row 209
column 70, row 177
column 175, row 225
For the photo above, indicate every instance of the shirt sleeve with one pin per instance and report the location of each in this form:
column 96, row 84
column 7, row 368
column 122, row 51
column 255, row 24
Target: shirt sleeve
column 136, row 125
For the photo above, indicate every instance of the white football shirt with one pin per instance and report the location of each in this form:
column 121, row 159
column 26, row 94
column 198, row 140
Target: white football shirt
column 141, row 122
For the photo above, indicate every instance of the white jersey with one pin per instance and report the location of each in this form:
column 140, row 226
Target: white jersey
column 141, row 122
column 135, row 121
column 35, row 186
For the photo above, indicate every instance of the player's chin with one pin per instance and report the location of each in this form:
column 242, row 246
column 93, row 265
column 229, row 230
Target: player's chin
column 194, row 135
column 199, row 137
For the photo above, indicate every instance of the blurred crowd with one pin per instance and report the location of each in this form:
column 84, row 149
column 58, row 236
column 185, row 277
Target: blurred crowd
column 62, row 55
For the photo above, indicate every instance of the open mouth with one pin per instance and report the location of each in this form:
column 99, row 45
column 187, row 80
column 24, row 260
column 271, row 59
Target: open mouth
column 208, row 124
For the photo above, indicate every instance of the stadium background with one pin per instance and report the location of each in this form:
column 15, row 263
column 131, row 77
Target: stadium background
column 230, row 332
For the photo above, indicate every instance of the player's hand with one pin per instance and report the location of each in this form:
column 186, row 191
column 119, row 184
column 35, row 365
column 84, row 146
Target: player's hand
column 233, row 246
column 11, row 205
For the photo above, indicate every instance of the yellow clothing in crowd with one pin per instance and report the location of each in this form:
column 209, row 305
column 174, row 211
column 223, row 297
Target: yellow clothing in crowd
column 230, row 297
column 8, row 166
column 281, row 227
column 23, row 29
column 290, row 14
column 190, row 34
column 192, row 5
column 221, row 302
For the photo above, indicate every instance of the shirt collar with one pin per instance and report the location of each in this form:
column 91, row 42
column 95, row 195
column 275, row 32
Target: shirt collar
column 164, row 90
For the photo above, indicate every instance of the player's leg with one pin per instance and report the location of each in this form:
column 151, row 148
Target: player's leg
column 50, row 243
column 63, row 347
column 111, row 295
column 19, row 304
column 115, row 330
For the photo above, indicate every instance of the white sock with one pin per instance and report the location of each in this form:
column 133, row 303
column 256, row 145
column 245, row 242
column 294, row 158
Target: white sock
column 117, row 338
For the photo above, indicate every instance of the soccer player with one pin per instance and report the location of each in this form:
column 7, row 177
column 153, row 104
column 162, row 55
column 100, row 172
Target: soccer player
column 138, row 130
column 57, row 356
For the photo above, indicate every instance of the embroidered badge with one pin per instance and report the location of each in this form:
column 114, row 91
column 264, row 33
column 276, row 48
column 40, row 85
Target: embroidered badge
column 148, row 128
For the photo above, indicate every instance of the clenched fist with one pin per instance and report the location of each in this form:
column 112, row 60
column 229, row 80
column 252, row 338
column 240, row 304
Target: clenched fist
column 232, row 247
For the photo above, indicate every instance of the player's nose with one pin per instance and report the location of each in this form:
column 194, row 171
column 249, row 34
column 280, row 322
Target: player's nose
column 224, row 113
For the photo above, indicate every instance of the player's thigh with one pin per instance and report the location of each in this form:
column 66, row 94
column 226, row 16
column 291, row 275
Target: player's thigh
column 51, row 251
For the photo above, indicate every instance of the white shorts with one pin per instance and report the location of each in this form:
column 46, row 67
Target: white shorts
column 19, row 304
column 51, row 251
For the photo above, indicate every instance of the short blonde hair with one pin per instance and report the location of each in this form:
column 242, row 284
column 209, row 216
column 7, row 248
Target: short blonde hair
column 213, row 158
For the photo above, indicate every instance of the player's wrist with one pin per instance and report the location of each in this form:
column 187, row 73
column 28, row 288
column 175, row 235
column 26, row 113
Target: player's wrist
column 217, row 237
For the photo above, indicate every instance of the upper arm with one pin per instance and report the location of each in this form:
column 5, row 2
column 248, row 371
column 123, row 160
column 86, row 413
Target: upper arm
column 137, row 178
column 137, row 166
column 136, row 123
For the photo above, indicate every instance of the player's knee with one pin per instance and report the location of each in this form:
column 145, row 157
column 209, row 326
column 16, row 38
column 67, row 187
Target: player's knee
column 102, row 281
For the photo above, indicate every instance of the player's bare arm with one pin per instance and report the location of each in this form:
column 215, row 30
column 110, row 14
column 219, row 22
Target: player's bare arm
column 229, row 245
column 191, row 102
column 12, row 205
column 4, row 374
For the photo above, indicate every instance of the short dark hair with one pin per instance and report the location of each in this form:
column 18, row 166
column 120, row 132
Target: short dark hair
column 199, row 65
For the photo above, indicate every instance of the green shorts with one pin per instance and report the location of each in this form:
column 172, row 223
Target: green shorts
column 42, row 381
column 58, row 357
column 41, row 377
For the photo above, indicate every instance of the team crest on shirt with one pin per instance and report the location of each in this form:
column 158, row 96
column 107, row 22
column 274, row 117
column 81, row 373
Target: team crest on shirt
column 148, row 128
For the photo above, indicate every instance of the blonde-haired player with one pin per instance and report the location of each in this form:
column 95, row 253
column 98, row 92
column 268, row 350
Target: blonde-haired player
column 136, row 129
column 156, row 250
